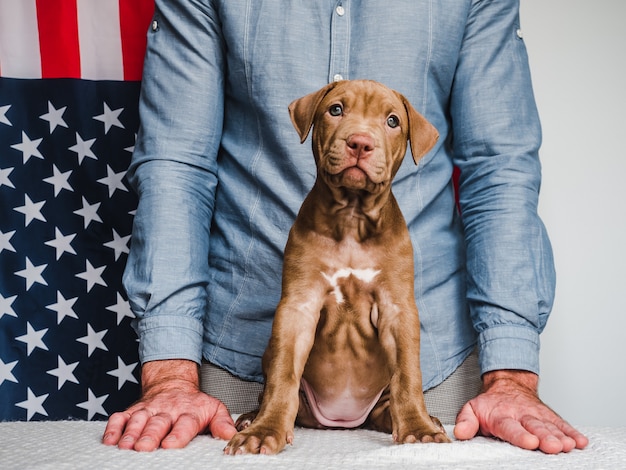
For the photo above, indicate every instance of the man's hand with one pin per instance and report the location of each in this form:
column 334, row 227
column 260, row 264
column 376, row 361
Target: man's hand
column 171, row 412
column 510, row 409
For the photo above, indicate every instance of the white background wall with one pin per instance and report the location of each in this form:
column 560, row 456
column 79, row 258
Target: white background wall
column 577, row 52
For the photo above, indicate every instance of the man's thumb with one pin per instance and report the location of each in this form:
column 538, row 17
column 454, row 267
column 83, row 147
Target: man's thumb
column 222, row 425
column 467, row 424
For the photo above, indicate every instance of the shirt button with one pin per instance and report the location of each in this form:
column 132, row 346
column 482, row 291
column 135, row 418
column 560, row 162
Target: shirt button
column 340, row 10
column 337, row 77
column 155, row 25
column 520, row 33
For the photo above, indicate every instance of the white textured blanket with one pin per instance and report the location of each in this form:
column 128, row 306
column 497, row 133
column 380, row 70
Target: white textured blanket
column 76, row 445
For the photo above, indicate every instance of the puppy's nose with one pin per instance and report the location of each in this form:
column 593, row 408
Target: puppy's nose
column 360, row 145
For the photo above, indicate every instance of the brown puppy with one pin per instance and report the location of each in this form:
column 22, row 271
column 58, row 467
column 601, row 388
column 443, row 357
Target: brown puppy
column 344, row 350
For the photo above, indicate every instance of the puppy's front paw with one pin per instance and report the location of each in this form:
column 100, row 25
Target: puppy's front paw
column 257, row 439
column 245, row 420
column 424, row 432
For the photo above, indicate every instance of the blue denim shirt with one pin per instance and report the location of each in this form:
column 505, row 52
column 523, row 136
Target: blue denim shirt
column 221, row 173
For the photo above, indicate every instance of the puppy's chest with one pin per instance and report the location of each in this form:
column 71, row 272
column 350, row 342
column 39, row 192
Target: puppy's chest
column 346, row 285
column 350, row 305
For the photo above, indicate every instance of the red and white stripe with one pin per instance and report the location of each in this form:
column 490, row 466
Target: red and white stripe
column 89, row 39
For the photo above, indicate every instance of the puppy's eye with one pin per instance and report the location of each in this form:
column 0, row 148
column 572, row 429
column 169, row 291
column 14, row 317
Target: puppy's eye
column 335, row 110
column 393, row 121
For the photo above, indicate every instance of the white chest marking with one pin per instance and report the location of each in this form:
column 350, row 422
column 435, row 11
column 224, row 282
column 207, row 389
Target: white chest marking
column 365, row 275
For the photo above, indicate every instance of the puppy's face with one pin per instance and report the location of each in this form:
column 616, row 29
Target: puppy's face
column 360, row 136
column 360, row 133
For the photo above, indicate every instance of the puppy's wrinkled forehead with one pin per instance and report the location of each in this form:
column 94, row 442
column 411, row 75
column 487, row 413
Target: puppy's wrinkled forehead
column 369, row 99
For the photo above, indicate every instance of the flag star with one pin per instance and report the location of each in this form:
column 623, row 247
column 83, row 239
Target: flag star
column 33, row 339
column 121, row 308
column 83, row 148
column 33, row 405
column 6, row 309
column 131, row 149
column 59, row 180
column 93, row 340
column 124, row 373
column 31, row 210
column 4, row 177
column 28, row 147
column 3, row 115
column 110, row 118
column 64, row 372
column 5, row 241
column 114, row 180
column 6, row 371
column 61, row 243
column 92, row 275
column 89, row 212
column 119, row 244
column 63, row 307
column 93, row 405
column 54, row 117
column 32, row 274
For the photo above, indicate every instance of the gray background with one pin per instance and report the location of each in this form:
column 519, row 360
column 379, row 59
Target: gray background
column 578, row 62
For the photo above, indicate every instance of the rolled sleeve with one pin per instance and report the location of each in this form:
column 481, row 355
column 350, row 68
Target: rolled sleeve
column 509, row 347
column 169, row 337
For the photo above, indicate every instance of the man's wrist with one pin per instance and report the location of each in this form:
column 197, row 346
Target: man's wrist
column 511, row 378
column 159, row 376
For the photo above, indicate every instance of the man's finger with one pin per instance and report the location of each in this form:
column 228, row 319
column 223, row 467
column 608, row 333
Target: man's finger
column 222, row 425
column 133, row 429
column 115, row 428
column 153, row 432
column 551, row 439
column 511, row 430
column 579, row 438
column 467, row 425
column 184, row 430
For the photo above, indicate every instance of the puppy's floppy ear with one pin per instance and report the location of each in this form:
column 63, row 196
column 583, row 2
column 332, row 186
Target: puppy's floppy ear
column 302, row 110
column 422, row 134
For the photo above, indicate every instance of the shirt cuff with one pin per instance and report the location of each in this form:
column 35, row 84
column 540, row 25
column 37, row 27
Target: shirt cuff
column 164, row 337
column 509, row 347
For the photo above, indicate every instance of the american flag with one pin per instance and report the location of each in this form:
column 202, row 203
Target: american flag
column 69, row 88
